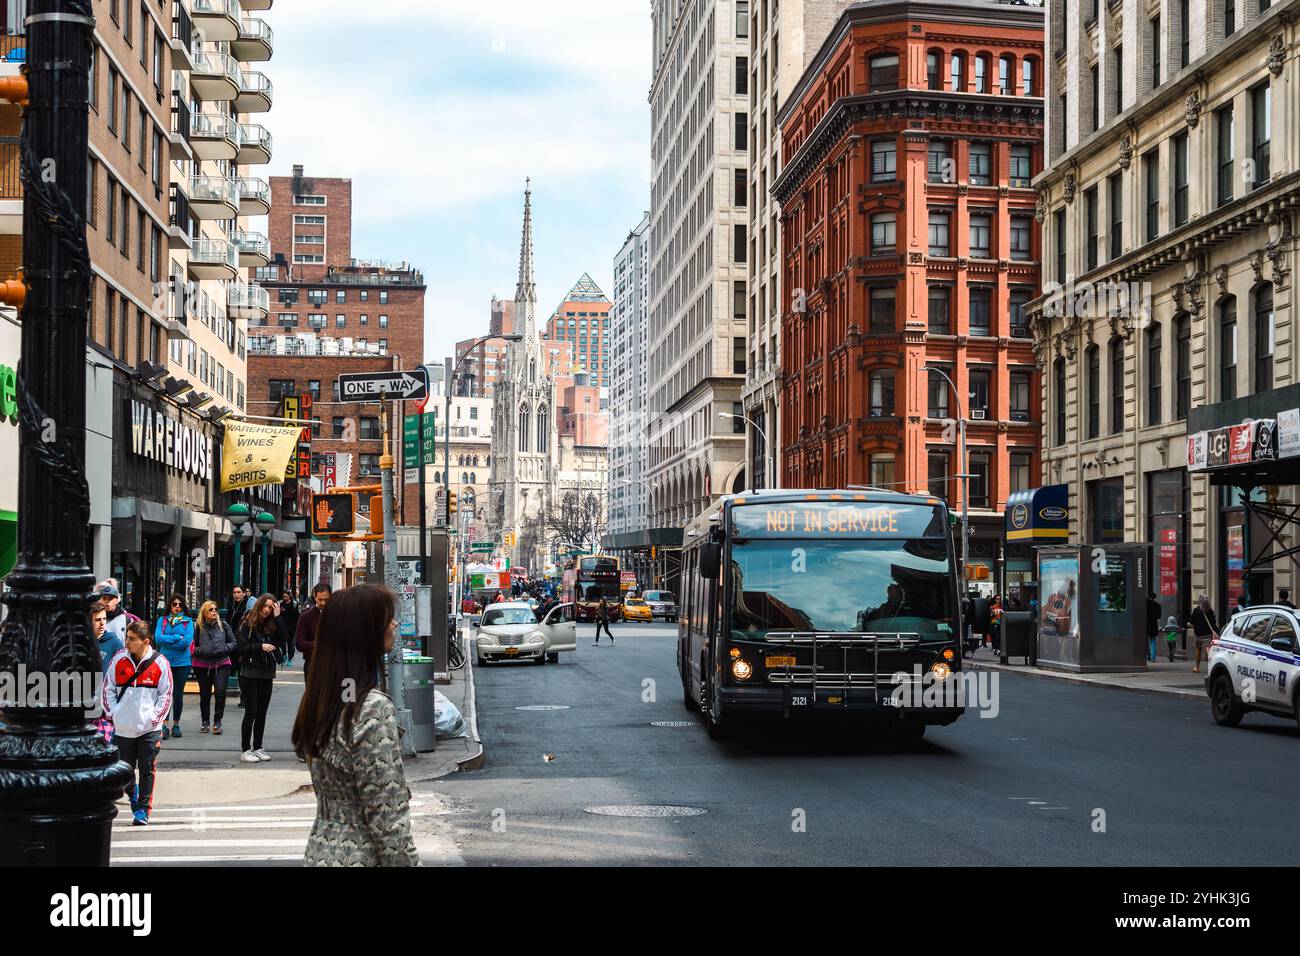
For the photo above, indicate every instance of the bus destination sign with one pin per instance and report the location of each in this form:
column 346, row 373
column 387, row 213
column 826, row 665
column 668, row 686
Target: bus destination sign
column 837, row 519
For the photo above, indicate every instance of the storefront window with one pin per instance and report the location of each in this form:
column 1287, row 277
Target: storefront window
column 1106, row 510
column 1167, row 508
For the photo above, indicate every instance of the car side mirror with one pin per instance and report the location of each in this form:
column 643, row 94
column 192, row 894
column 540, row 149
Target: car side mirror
column 1283, row 644
column 710, row 560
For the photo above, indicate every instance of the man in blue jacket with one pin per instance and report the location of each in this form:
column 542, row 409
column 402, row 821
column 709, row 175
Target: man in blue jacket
column 173, row 635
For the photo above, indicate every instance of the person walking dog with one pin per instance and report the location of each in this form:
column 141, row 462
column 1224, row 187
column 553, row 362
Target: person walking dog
column 214, row 642
column 137, row 697
column 259, row 646
column 351, row 742
column 173, row 635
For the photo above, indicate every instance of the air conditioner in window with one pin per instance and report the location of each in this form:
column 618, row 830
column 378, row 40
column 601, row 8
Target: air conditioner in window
column 977, row 414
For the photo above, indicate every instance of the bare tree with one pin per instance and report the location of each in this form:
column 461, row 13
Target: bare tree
column 576, row 521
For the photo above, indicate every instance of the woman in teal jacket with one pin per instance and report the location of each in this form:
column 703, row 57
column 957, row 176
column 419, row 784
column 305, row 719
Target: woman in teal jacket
column 173, row 635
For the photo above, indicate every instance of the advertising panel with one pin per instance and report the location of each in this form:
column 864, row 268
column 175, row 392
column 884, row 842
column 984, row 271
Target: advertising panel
column 1059, row 581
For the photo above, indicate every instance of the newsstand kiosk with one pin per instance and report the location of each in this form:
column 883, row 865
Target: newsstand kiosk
column 1092, row 607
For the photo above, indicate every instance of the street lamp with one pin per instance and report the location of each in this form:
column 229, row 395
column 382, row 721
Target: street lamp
column 766, row 444
column 238, row 516
column 265, row 522
column 964, row 476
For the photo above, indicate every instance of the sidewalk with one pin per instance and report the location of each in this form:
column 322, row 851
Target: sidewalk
column 1162, row 677
column 205, row 769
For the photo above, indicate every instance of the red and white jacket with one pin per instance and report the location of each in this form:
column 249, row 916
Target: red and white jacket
column 144, row 706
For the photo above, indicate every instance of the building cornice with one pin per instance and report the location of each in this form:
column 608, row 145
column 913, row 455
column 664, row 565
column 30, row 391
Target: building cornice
column 924, row 107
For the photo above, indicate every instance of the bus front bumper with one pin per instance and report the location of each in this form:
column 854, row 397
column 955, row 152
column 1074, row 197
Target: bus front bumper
column 793, row 701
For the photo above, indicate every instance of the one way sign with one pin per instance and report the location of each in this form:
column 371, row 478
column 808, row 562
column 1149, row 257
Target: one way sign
column 371, row 386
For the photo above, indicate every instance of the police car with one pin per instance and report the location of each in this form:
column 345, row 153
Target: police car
column 1255, row 665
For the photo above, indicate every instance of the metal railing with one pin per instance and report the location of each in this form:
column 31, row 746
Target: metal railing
column 13, row 47
column 179, row 209
column 215, row 252
column 182, row 121
column 11, row 183
column 253, row 188
column 182, row 25
column 255, row 28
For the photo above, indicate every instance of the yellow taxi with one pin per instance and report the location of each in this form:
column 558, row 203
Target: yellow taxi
column 636, row 609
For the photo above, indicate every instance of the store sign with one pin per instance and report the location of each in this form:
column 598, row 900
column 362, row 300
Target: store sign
column 159, row 437
column 1288, row 433
column 1168, row 562
column 1197, row 446
column 1241, row 439
column 1257, row 440
column 254, row 454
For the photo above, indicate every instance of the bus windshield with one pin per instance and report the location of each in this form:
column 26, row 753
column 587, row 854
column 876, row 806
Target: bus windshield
column 854, row 585
column 593, row 591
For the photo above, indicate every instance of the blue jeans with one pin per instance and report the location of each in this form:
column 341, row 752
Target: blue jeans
column 1151, row 648
column 179, row 676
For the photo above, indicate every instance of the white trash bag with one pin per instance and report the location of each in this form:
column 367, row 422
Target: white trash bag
column 447, row 721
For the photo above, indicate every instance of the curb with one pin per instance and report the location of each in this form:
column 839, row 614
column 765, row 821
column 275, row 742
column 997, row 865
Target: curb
column 474, row 761
column 1085, row 682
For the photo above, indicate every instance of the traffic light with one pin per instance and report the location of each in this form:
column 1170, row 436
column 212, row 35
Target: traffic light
column 653, row 552
column 510, row 539
column 377, row 514
column 332, row 515
column 451, row 503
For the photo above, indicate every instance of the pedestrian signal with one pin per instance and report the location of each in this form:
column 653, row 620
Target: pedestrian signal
column 331, row 515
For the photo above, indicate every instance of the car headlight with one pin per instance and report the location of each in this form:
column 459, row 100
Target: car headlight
column 486, row 638
column 536, row 636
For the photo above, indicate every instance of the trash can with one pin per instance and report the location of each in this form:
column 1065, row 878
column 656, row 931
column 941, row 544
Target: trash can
column 1019, row 636
column 418, row 684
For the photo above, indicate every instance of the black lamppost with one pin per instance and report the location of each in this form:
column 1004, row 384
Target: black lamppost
column 59, row 778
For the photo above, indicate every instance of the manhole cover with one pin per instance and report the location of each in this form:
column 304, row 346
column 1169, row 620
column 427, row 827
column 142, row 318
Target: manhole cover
column 646, row 811
column 543, row 707
column 192, row 765
column 672, row 723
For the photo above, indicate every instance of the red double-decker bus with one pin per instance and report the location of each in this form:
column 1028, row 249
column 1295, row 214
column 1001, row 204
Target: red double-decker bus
column 587, row 579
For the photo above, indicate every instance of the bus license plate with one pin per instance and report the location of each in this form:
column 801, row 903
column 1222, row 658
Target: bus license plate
column 779, row 662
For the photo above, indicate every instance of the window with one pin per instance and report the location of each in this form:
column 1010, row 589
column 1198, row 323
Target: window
column 882, row 471
column 1228, row 349
column 882, row 393
column 937, row 404
column 369, row 428
column 1090, row 222
column 742, row 76
column 979, row 393
column 1225, row 151
column 112, row 99
column 1180, row 179
column 740, row 192
column 742, row 19
column 383, row 297
column 738, row 356
column 1092, row 362
column 938, row 161
column 1020, row 385
column 338, row 426
column 365, row 319
column 738, row 252
column 981, row 164
column 1004, row 76
column 1151, row 176
column 1058, row 220
column 982, row 73
column 365, row 295
column 938, row 229
column 1153, row 371
column 1020, row 165
column 981, row 228
column 1115, row 199
column 1021, row 471
column 1117, row 54
column 957, row 72
column 884, row 161
column 1182, row 366
column 933, row 79
column 883, row 241
column 1116, row 385
column 1261, row 133
column 940, row 310
column 1263, row 338
column 1157, row 66
column 383, row 321
column 1016, row 303
column 937, row 474
column 126, row 223
column 367, row 465
column 1094, row 75
column 1058, row 386
column 741, row 131
column 1029, row 76
column 1229, row 17
column 277, row 388
column 1021, row 238
column 882, row 310
column 523, row 428
column 979, row 479
column 884, row 72
column 980, row 298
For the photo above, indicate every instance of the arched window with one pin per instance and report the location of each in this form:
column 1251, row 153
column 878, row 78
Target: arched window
column 1029, row 76
column 934, row 69
column 1228, row 348
column 957, row 71
column 883, row 68
column 464, row 477
column 1263, row 337
column 473, row 478
column 1006, row 70
column 543, row 429
column 532, row 371
column 982, row 73
column 523, row 428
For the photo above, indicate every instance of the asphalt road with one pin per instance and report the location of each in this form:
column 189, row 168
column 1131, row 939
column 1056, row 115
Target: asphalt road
column 1063, row 774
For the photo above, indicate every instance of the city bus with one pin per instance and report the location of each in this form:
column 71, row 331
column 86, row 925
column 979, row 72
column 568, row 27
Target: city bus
column 589, row 577
column 802, row 602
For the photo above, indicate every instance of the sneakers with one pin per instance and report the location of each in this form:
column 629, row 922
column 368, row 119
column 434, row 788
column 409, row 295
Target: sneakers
column 139, row 819
column 166, row 732
column 595, row 643
column 176, row 730
column 216, row 728
column 204, row 728
column 261, row 754
column 249, row 756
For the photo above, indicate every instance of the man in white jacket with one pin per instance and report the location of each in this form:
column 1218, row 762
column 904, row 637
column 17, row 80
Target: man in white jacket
column 138, row 699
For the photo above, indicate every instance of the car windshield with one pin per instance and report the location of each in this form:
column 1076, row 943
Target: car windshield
column 635, row 602
column 659, row 596
column 509, row 615
column 864, row 586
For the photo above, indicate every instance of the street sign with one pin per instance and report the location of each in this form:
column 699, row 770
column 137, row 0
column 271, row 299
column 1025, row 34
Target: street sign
column 369, row 386
column 484, row 547
column 411, row 442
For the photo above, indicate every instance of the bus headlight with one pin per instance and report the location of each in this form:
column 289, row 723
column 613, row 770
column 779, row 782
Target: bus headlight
column 941, row 670
column 740, row 669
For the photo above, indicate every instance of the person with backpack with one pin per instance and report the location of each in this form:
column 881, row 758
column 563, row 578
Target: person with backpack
column 173, row 635
column 602, row 620
column 259, row 646
column 213, row 643
column 137, row 697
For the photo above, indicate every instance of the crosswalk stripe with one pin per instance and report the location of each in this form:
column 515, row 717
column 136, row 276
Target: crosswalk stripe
column 236, row 809
column 227, row 843
column 198, row 821
column 223, row 858
column 173, row 827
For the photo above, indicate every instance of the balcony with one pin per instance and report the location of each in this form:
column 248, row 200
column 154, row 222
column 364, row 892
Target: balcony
column 255, row 41
column 182, row 124
column 254, row 197
column 11, row 188
column 256, row 4
column 254, row 249
column 215, row 76
column 214, row 136
column 179, row 221
column 254, row 93
column 254, row 145
column 213, row 197
column 182, row 38
column 218, row 19
column 213, row 259
column 249, row 302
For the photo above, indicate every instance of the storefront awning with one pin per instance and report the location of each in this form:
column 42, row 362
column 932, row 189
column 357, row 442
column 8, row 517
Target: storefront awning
column 1039, row 514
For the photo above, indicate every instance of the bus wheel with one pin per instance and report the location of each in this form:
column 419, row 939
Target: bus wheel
column 909, row 731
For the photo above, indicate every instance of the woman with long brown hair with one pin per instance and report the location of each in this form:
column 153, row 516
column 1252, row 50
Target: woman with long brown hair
column 259, row 646
column 347, row 732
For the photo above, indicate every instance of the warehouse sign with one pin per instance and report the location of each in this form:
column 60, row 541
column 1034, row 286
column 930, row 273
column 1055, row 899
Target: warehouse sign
column 256, row 454
column 159, row 437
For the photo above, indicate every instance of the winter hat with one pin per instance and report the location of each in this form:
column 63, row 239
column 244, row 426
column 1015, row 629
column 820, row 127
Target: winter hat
column 1172, row 622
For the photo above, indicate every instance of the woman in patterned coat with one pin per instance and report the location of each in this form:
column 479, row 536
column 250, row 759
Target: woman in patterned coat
column 347, row 732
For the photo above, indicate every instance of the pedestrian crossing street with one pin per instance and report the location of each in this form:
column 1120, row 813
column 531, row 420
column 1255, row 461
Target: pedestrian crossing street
column 247, row 834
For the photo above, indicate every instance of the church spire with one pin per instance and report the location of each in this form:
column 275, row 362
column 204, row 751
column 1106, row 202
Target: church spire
column 525, row 290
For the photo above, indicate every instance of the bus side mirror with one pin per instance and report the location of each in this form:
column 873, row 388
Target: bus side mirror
column 710, row 560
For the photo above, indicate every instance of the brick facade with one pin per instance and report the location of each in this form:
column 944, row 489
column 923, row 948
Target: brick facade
column 294, row 199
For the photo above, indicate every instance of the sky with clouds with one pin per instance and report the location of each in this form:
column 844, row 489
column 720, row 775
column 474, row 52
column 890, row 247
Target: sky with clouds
column 438, row 109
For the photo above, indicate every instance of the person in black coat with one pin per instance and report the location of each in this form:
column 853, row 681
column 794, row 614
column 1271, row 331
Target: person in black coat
column 259, row 646
column 1153, row 626
column 289, row 613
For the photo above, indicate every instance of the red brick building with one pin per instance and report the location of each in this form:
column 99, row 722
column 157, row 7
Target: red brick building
column 582, row 321
column 910, row 240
